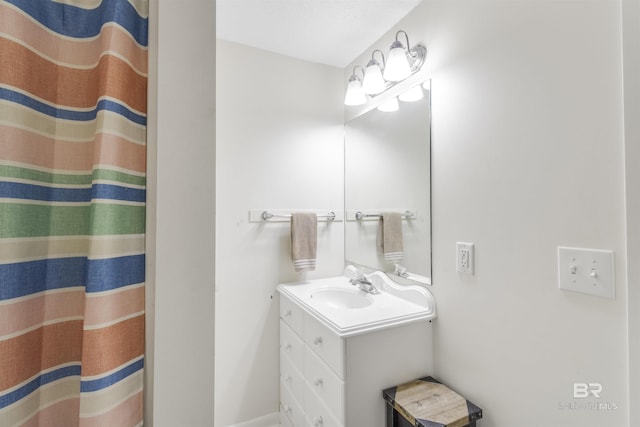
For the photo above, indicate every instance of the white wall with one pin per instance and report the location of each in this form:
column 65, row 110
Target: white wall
column 180, row 220
column 279, row 145
column 527, row 150
column 631, row 53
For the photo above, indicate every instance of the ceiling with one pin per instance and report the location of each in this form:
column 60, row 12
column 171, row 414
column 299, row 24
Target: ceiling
column 332, row 32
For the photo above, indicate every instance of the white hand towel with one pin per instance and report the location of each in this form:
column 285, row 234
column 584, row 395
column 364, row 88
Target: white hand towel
column 390, row 236
column 304, row 238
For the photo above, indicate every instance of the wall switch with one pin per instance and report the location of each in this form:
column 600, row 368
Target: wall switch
column 464, row 258
column 588, row 271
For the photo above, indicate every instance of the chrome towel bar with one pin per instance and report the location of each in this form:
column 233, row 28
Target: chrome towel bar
column 284, row 215
column 359, row 215
column 266, row 215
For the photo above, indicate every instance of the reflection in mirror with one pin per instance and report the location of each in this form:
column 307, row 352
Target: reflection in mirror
column 388, row 169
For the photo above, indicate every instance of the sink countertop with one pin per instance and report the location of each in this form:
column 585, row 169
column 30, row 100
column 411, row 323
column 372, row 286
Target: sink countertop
column 395, row 305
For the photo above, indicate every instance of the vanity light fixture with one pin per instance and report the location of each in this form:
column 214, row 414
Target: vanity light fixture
column 398, row 67
column 373, row 82
column 355, row 95
column 402, row 62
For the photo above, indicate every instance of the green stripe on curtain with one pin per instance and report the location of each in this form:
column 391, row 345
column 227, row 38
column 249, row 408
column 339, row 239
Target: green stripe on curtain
column 31, row 220
column 68, row 179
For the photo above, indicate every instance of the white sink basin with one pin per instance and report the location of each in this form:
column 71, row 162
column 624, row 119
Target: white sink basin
column 348, row 311
column 341, row 298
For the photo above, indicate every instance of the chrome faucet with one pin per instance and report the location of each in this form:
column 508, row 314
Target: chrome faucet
column 401, row 271
column 364, row 284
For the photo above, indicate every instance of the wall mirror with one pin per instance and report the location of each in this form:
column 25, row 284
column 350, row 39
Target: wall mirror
column 388, row 169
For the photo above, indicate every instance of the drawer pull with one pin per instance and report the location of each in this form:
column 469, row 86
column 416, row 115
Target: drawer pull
column 287, row 409
column 287, row 347
column 317, row 341
column 287, row 378
column 317, row 422
column 318, row 382
column 287, row 313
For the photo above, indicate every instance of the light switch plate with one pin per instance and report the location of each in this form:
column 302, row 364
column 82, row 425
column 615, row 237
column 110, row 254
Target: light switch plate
column 588, row 271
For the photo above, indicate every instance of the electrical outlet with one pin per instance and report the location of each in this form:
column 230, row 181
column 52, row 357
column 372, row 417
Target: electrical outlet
column 464, row 258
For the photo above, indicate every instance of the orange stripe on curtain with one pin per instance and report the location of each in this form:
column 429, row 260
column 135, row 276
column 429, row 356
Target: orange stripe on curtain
column 38, row 350
column 71, row 87
column 127, row 336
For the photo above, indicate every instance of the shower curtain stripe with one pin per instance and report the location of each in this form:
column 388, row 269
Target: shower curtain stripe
column 69, row 246
column 22, row 100
column 22, row 29
column 71, row 177
column 72, row 21
column 56, row 273
column 73, row 81
column 52, row 410
column 28, row 219
column 70, row 86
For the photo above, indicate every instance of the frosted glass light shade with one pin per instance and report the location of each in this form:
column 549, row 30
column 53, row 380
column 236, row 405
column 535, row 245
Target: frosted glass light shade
column 354, row 95
column 373, row 82
column 390, row 106
column 397, row 67
column 411, row 95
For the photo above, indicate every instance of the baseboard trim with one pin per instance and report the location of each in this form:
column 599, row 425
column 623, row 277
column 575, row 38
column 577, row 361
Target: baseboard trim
column 270, row 420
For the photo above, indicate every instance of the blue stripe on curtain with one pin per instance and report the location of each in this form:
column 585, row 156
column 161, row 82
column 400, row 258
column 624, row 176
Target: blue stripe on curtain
column 113, row 273
column 38, row 382
column 61, row 113
column 18, row 190
column 30, row 277
column 25, row 278
column 95, row 385
column 77, row 22
column 116, row 192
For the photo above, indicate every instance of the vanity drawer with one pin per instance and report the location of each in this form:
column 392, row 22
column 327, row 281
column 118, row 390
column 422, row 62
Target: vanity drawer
column 290, row 376
column 325, row 344
column 291, row 313
column 290, row 407
column 317, row 412
column 291, row 345
column 325, row 383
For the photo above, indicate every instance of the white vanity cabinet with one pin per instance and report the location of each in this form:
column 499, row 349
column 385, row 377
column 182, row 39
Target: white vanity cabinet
column 328, row 379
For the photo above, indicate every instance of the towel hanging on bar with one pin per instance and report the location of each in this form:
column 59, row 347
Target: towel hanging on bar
column 304, row 238
column 390, row 236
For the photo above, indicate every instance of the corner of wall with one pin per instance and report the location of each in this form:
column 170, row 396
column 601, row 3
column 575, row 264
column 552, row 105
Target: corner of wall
column 150, row 237
column 631, row 82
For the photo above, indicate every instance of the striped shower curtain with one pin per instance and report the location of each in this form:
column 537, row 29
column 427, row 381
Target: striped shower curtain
column 73, row 82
